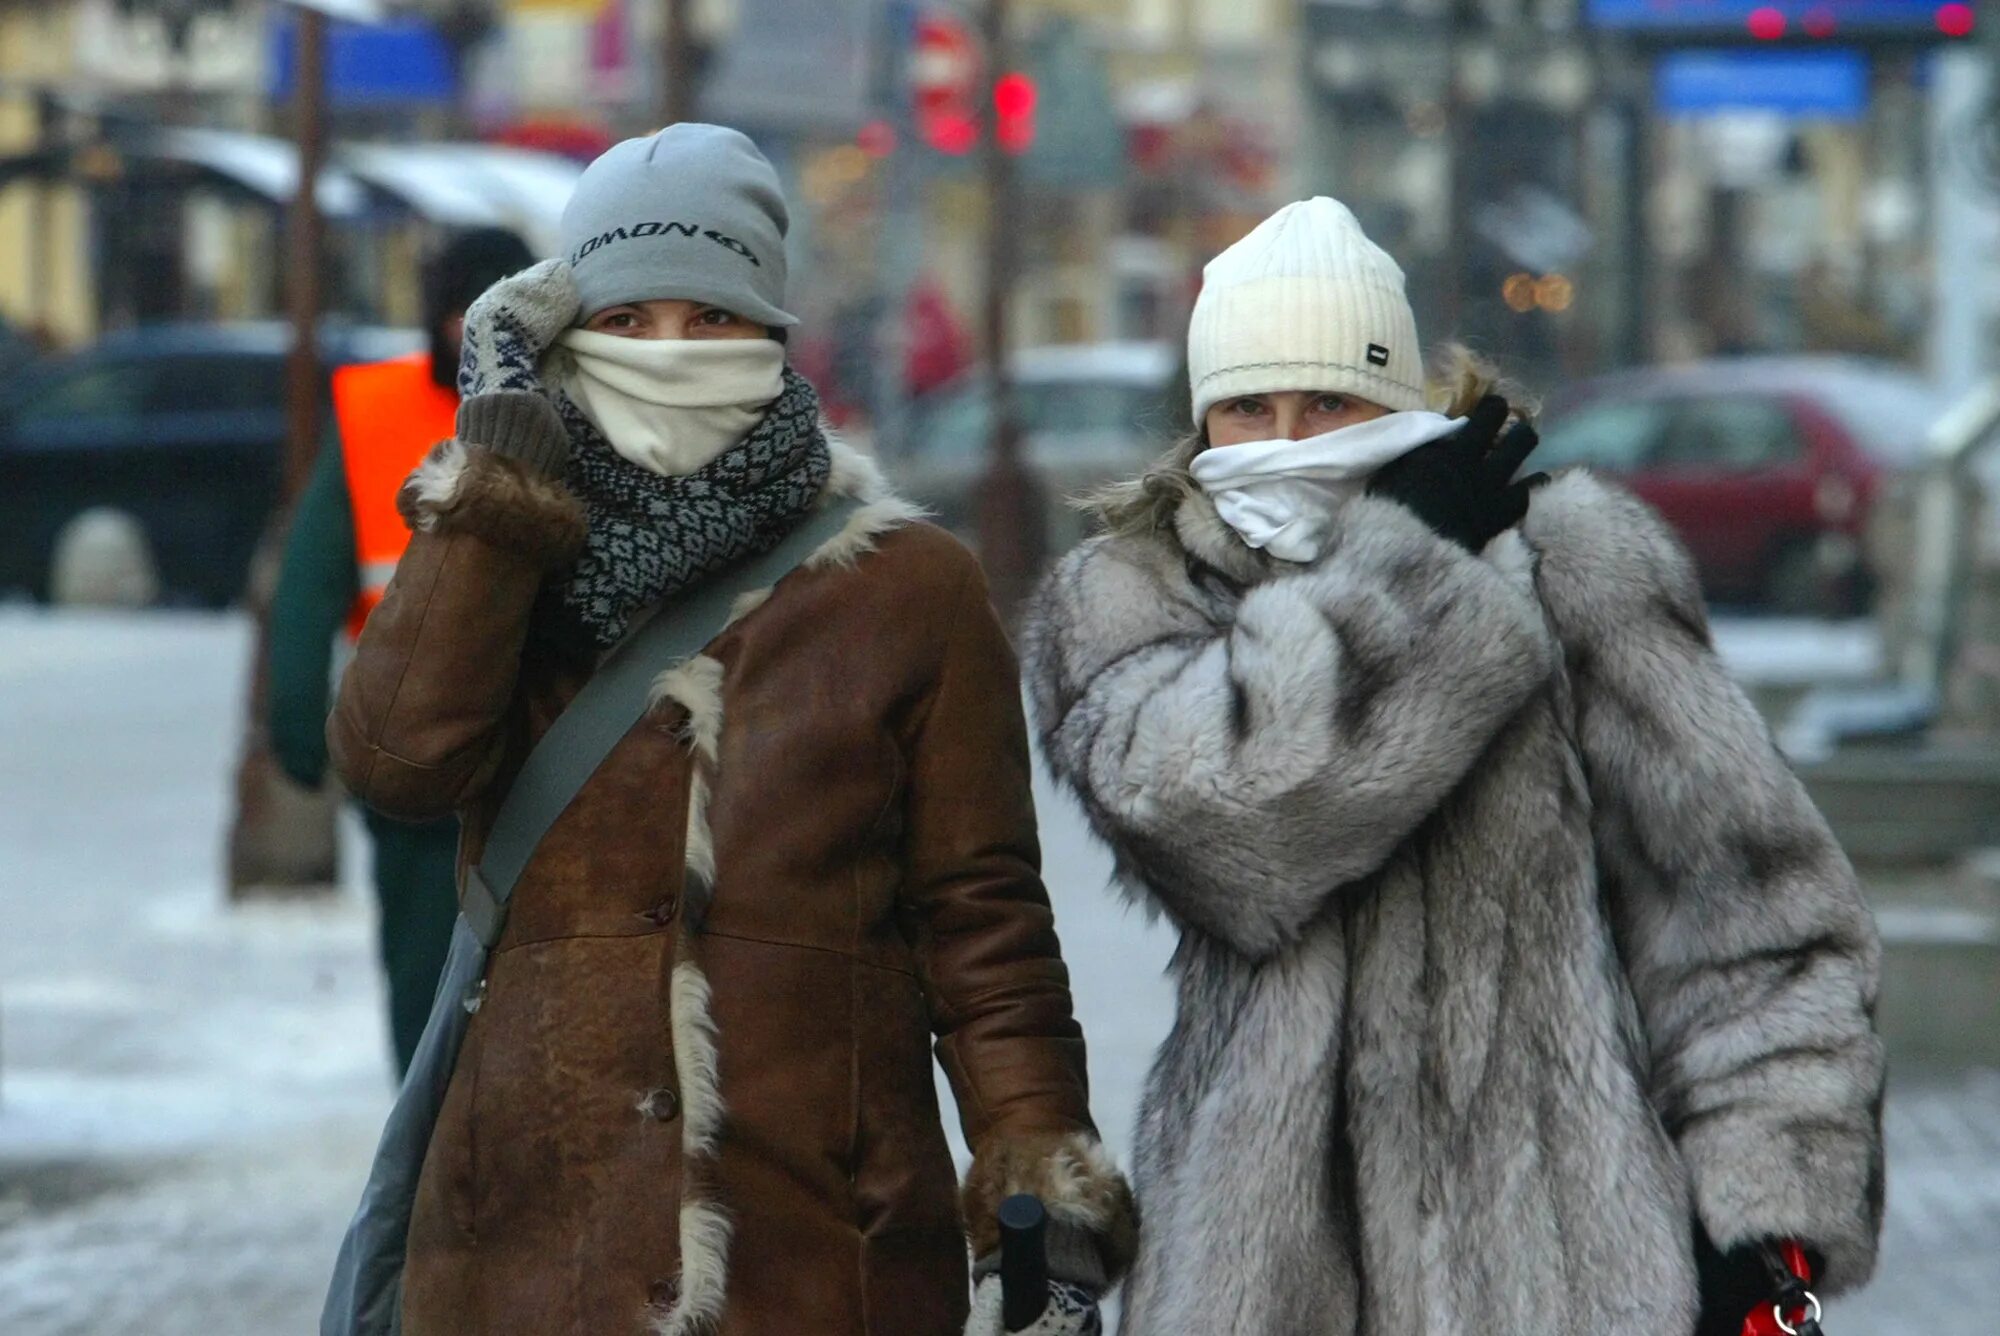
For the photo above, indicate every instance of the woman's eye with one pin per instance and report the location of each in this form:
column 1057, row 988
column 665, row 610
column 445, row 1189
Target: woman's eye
column 1330, row 403
column 716, row 316
column 618, row 320
column 1247, row 407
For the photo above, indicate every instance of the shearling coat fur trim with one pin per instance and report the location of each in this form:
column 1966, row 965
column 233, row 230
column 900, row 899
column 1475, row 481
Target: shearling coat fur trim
column 1076, row 1180
column 855, row 476
column 1510, row 946
column 469, row 489
column 702, row 1287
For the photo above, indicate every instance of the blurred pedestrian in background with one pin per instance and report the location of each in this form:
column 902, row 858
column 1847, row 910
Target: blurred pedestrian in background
column 696, row 1092
column 1521, row 986
column 345, row 539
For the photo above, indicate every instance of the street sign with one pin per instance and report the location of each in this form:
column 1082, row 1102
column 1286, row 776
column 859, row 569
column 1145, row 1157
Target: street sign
column 1798, row 85
column 945, row 71
column 1770, row 20
column 401, row 62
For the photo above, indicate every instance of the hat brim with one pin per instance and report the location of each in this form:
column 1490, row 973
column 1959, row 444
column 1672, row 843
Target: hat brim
column 737, row 301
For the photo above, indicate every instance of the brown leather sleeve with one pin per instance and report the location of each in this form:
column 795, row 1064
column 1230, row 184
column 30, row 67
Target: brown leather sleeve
column 416, row 731
column 993, row 970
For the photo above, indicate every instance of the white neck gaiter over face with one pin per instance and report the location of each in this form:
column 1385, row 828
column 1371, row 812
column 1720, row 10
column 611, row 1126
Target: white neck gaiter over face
column 1280, row 496
column 672, row 405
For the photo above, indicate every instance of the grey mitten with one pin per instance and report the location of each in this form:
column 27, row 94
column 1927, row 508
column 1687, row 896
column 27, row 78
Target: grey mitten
column 512, row 325
column 1072, row 1311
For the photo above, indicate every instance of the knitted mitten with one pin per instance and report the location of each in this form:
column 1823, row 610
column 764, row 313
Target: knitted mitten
column 1072, row 1311
column 512, row 325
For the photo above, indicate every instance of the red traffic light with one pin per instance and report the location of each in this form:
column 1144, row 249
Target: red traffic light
column 1768, row 24
column 1014, row 97
column 1955, row 20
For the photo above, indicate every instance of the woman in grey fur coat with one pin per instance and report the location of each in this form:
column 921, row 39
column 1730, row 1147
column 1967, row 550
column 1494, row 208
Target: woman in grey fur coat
column 1521, row 988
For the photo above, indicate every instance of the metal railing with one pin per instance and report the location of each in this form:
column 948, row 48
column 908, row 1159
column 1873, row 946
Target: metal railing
column 1940, row 570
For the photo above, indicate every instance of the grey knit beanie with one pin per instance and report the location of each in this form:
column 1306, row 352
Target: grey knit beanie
column 693, row 212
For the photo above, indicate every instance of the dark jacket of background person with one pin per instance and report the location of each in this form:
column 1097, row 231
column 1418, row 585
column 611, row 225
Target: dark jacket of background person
column 1513, row 957
column 412, row 866
column 320, row 591
column 731, row 1125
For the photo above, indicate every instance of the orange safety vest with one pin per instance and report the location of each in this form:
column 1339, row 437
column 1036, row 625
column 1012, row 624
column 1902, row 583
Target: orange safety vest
column 390, row 415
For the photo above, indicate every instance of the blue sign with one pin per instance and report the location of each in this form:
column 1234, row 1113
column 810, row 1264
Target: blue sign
column 1787, row 18
column 1822, row 85
column 401, row 62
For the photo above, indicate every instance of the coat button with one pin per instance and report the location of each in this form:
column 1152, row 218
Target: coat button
column 661, row 1105
column 660, row 915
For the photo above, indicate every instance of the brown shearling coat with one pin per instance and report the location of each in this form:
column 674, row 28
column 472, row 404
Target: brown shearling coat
column 731, row 1127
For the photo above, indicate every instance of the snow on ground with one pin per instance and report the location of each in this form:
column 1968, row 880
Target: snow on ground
column 189, row 1091
column 186, row 1090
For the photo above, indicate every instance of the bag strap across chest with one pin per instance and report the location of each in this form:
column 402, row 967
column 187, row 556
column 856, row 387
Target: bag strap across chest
column 610, row 703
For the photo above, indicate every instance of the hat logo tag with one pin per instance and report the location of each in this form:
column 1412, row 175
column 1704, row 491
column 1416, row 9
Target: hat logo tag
column 643, row 230
column 1377, row 355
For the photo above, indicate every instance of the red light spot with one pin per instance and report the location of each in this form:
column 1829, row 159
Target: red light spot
column 1819, row 22
column 953, row 133
column 1014, row 97
column 1955, row 20
column 877, row 139
column 1767, row 24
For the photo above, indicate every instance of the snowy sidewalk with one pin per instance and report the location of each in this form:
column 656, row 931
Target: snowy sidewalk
column 189, row 1092
column 186, row 1090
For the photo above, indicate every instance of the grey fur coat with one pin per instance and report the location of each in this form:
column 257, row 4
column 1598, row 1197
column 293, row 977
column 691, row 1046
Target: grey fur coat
column 1510, row 947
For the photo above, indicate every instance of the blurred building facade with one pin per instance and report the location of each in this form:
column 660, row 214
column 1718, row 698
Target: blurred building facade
column 1565, row 196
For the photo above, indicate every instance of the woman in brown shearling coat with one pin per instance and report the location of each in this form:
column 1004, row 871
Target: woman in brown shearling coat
column 697, row 1093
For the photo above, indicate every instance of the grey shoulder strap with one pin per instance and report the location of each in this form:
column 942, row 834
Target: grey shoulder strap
column 610, row 703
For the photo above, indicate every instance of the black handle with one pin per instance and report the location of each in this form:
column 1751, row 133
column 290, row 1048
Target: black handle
column 1024, row 1262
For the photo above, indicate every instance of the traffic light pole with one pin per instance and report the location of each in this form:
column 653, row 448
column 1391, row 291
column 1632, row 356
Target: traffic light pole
column 899, row 241
column 676, row 63
column 1011, row 526
column 282, row 839
column 305, row 243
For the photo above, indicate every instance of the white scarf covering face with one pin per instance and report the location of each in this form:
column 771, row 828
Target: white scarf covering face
column 1280, row 496
column 672, row 405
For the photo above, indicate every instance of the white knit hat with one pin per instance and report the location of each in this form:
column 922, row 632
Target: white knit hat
column 1305, row 302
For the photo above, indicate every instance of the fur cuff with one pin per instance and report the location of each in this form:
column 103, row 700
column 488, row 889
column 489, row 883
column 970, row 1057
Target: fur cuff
column 469, row 489
column 1076, row 1180
column 1819, row 1183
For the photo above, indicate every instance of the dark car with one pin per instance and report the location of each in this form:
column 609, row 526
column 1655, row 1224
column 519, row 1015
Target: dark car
column 1088, row 413
column 180, row 427
column 1767, row 467
column 16, row 350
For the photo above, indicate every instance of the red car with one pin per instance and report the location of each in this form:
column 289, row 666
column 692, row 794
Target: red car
column 1766, row 467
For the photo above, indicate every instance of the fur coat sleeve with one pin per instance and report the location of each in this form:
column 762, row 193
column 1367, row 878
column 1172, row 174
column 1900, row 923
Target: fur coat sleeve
column 1750, row 951
column 1248, row 755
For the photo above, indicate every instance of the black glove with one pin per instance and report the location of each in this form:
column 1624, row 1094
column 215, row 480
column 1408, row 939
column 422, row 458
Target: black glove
column 1461, row 486
column 1736, row 1283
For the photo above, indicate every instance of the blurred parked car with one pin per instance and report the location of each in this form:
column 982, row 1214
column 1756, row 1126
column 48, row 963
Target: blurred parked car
column 17, row 349
column 179, row 427
column 1089, row 414
column 1767, row 467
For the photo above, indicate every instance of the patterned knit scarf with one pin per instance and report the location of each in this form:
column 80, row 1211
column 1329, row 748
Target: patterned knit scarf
column 653, row 536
